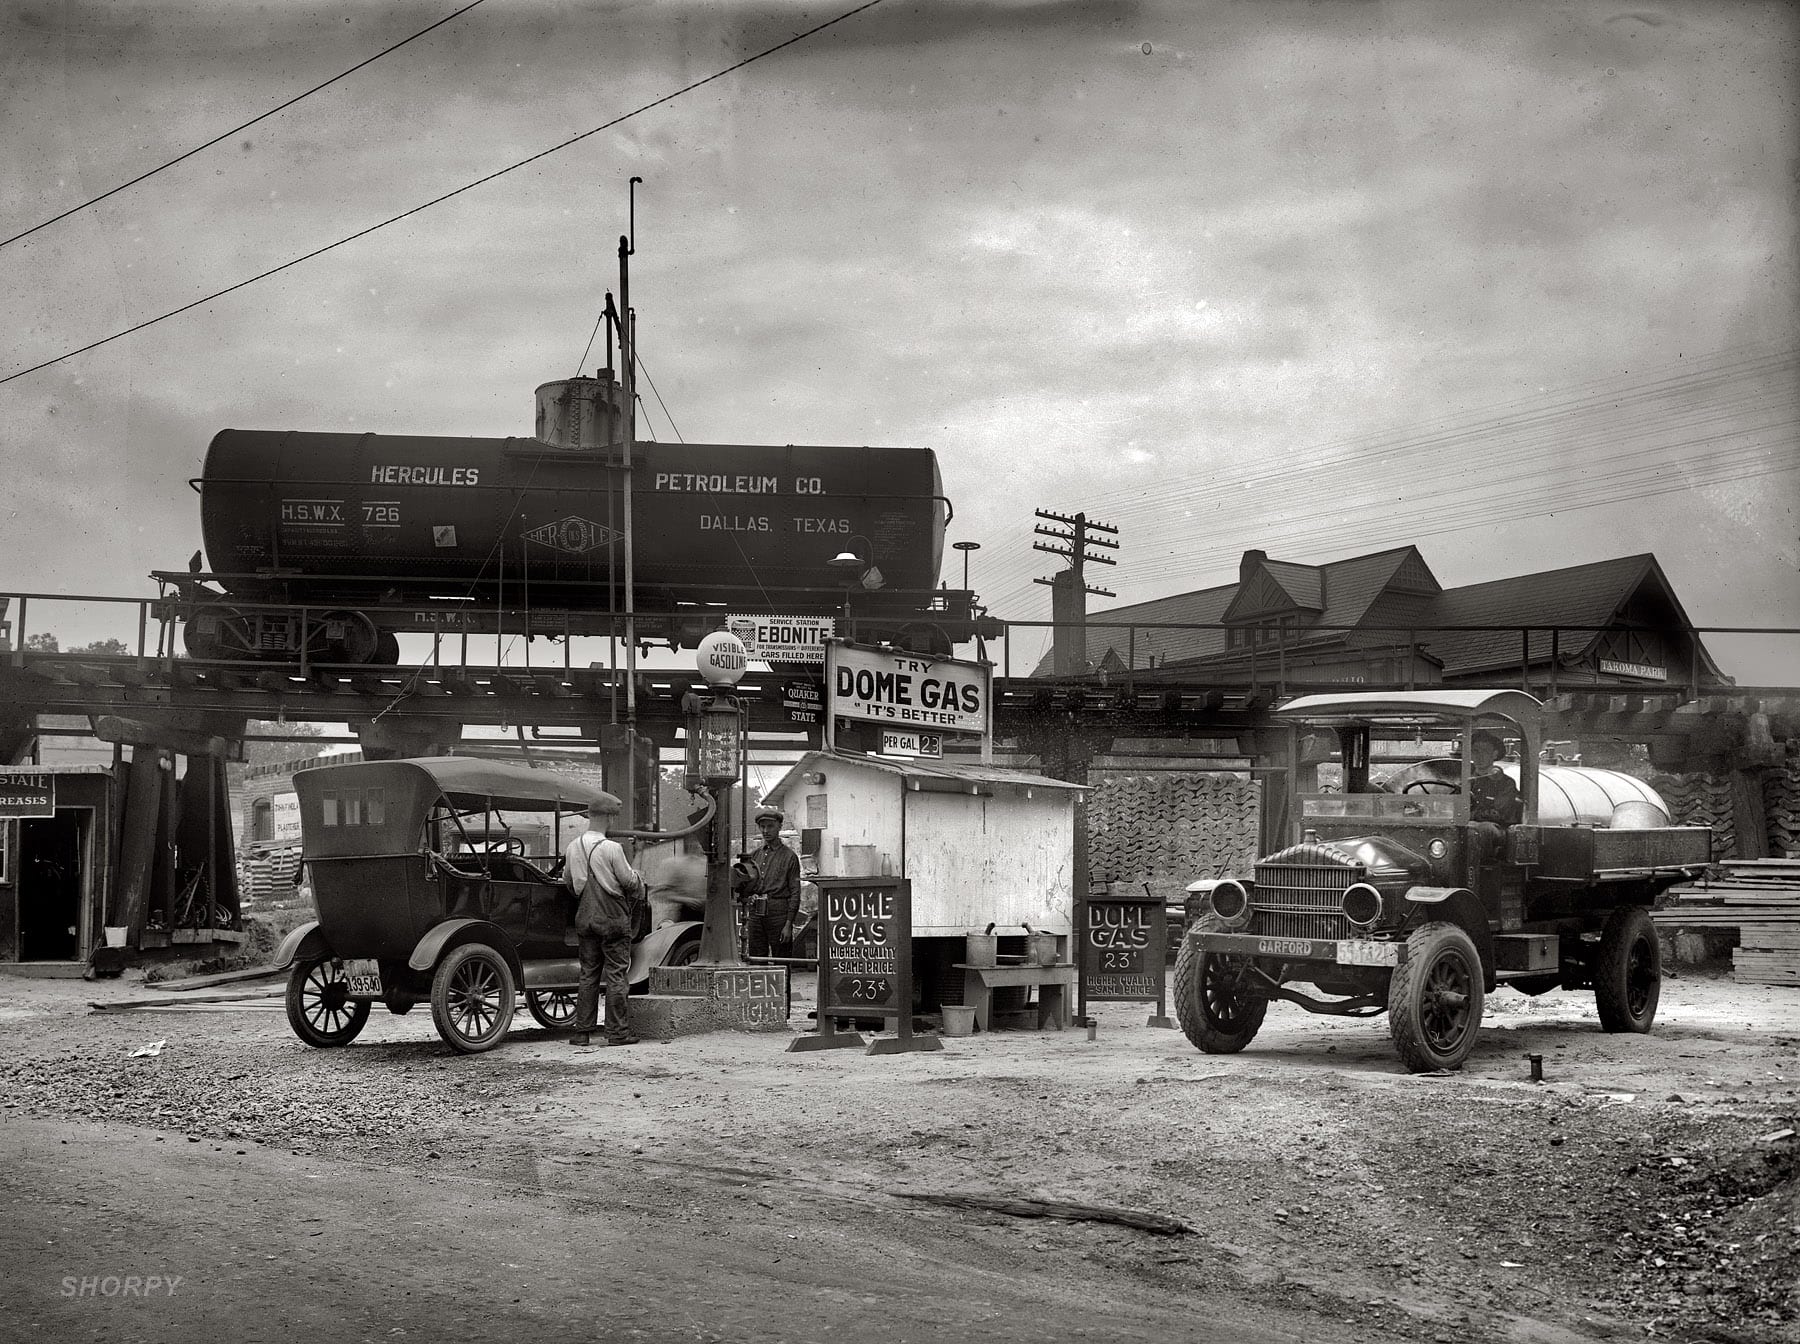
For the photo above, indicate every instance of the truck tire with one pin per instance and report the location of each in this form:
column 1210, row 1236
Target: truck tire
column 1435, row 999
column 1628, row 971
column 1219, row 1009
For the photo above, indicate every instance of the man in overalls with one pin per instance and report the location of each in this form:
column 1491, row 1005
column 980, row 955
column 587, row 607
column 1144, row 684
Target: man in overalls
column 597, row 871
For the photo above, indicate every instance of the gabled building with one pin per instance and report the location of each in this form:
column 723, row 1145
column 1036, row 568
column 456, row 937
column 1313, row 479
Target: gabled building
column 1384, row 619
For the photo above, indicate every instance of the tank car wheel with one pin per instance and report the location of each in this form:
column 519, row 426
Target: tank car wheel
column 319, row 1006
column 228, row 637
column 553, row 1008
column 1435, row 999
column 472, row 998
column 1215, row 998
column 387, row 649
column 1628, row 971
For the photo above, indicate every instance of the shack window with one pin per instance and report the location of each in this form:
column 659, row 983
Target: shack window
column 328, row 808
column 374, row 807
column 351, row 807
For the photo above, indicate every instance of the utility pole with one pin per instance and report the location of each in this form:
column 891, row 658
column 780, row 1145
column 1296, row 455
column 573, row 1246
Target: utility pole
column 1069, row 588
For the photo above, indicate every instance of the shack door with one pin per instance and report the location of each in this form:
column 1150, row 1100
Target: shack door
column 51, row 881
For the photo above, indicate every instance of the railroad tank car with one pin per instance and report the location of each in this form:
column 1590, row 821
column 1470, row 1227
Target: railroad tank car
column 358, row 521
column 711, row 522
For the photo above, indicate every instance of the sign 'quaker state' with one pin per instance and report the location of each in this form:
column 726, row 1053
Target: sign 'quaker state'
column 27, row 793
column 1124, row 948
column 907, row 690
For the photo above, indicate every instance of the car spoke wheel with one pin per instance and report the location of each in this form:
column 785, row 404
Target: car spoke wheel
column 1628, row 971
column 319, row 1006
column 472, row 998
column 1435, row 999
column 1217, row 999
column 553, row 1008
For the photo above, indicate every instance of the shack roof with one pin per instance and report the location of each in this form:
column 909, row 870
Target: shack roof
column 929, row 774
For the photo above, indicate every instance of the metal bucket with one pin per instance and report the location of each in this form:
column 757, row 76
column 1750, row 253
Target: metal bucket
column 1040, row 949
column 958, row 1019
column 981, row 949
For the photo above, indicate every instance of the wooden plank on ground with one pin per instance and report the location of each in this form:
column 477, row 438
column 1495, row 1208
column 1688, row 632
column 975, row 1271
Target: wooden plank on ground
column 224, row 978
column 1051, row 1208
column 125, row 1005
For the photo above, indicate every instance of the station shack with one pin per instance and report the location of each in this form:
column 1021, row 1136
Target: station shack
column 983, row 848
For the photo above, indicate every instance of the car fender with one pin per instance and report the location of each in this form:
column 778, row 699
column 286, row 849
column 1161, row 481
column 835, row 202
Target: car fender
column 305, row 941
column 440, row 938
column 1461, row 907
column 658, row 943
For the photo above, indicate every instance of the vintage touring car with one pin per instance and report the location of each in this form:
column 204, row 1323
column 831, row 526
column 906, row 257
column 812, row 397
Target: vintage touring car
column 425, row 892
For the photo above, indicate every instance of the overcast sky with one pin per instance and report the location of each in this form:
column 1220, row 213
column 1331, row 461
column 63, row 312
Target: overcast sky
column 1514, row 282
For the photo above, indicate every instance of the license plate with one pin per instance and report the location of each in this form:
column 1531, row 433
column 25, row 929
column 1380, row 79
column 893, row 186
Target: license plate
column 364, row 977
column 1357, row 952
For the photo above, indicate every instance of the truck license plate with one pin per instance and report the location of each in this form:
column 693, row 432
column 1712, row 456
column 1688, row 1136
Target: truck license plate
column 364, row 977
column 1362, row 953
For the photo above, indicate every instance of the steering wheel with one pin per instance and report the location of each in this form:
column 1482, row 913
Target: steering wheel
column 1431, row 786
column 513, row 845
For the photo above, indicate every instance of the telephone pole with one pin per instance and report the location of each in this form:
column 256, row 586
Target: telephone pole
column 1069, row 588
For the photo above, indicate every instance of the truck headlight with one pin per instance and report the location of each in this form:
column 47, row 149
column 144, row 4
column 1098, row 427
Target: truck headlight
column 1231, row 903
column 1362, row 905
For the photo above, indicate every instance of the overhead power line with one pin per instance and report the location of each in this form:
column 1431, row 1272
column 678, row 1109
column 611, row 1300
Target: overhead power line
column 1585, row 446
column 439, row 200
column 246, row 126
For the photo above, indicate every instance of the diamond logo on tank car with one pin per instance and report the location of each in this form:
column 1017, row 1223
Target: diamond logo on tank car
column 574, row 535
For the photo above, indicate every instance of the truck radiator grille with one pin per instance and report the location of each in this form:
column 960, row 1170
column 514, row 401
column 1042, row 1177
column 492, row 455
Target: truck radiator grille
column 1303, row 887
column 1286, row 924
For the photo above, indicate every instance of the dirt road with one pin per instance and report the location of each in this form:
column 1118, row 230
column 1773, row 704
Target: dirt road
column 740, row 1192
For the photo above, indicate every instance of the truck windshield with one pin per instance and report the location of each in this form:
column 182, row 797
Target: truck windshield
column 1408, row 807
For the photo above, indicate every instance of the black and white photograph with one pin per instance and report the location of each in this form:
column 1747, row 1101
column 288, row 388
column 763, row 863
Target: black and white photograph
column 903, row 670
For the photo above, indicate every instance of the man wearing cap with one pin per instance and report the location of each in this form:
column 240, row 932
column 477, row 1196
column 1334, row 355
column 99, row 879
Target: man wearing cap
column 598, row 872
column 1494, row 801
column 771, row 889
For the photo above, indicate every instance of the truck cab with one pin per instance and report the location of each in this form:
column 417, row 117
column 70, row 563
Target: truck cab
column 1417, row 888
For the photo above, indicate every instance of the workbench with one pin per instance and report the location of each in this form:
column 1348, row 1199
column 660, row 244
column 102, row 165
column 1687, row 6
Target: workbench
column 1053, row 983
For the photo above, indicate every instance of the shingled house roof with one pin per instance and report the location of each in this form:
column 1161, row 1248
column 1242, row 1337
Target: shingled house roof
column 1396, row 588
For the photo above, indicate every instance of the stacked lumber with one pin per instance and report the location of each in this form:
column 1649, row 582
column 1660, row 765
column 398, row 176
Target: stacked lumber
column 1760, row 898
column 267, row 875
column 1167, row 828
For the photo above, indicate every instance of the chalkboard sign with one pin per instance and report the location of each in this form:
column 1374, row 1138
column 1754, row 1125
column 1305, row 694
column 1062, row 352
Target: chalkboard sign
column 1124, row 948
column 865, row 946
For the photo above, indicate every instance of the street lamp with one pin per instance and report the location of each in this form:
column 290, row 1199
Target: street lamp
column 861, row 560
column 965, row 547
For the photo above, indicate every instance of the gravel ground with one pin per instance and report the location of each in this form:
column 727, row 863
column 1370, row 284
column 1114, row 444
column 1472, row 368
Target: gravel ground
column 1635, row 1192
